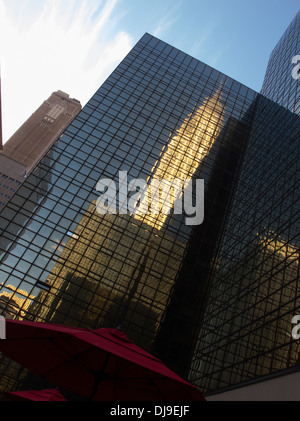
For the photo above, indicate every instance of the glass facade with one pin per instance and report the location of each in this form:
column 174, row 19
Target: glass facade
column 281, row 84
column 161, row 114
column 245, row 329
column 214, row 300
column 253, row 283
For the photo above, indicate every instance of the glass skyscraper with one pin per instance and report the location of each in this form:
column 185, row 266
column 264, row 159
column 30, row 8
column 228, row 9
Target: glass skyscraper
column 279, row 84
column 245, row 332
column 246, row 325
column 161, row 114
column 212, row 300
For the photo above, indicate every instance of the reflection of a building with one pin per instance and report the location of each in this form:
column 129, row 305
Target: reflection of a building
column 12, row 175
column 182, row 155
column 251, row 317
column 120, row 269
column 14, row 302
column 27, row 148
column 181, row 320
column 112, row 271
column 28, row 200
column 245, row 326
column 211, row 295
column 277, row 273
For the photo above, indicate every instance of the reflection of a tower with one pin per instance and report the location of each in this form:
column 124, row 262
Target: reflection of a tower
column 182, row 155
column 253, row 323
column 122, row 268
column 178, row 332
column 107, row 267
column 14, row 301
column 276, row 275
column 39, row 181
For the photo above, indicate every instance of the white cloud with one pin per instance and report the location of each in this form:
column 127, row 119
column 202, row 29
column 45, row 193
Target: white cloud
column 168, row 20
column 218, row 55
column 205, row 47
column 205, row 34
column 64, row 48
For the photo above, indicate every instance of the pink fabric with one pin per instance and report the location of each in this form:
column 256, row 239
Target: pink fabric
column 36, row 395
column 71, row 357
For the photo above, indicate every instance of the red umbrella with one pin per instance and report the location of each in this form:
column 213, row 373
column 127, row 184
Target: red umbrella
column 35, row 395
column 101, row 364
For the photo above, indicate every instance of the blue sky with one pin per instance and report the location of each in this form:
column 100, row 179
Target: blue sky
column 73, row 45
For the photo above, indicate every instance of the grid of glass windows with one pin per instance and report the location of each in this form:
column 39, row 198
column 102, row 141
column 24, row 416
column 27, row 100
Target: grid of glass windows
column 63, row 262
column 279, row 84
column 8, row 186
column 214, row 301
column 246, row 327
column 244, row 331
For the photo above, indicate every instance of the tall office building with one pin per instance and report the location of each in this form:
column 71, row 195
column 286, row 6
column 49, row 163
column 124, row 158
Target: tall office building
column 160, row 114
column 281, row 83
column 21, row 153
column 245, row 330
column 32, row 140
column 12, row 175
column 213, row 300
column 245, row 348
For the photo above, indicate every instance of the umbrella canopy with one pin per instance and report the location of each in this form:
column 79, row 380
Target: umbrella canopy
column 35, row 395
column 101, row 364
